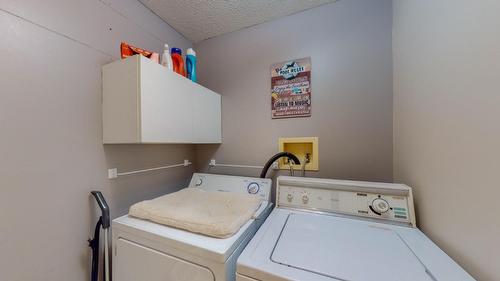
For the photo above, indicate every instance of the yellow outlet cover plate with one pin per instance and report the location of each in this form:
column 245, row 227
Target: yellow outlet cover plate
column 300, row 147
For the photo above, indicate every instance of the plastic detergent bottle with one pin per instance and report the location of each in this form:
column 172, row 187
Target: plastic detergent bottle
column 191, row 64
column 178, row 61
column 166, row 59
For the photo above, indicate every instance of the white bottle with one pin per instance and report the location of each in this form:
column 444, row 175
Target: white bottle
column 166, row 59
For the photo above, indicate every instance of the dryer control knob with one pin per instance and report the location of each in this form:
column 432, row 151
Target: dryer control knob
column 380, row 205
column 198, row 182
column 253, row 188
column 305, row 198
column 289, row 197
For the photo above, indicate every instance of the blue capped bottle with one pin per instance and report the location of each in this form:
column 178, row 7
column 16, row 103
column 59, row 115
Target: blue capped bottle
column 191, row 64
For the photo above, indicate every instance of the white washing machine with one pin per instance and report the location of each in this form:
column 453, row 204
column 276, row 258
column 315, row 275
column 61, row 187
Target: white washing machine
column 325, row 230
column 146, row 251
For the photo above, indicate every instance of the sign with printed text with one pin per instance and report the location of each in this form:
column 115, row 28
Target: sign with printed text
column 291, row 89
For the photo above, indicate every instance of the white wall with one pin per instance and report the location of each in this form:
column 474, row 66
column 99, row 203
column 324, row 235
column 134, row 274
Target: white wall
column 446, row 124
column 51, row 141
column 349, row 43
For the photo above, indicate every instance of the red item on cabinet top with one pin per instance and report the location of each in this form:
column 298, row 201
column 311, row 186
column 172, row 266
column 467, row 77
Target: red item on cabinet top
column 128, row 50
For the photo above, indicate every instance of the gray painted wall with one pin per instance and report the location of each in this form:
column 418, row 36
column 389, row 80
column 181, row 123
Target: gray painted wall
column 447, row 111
column 349, row 43
column 50, row 118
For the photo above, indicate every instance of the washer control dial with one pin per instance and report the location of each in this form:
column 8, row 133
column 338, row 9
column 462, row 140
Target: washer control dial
column 253, row 188
column 380, row 205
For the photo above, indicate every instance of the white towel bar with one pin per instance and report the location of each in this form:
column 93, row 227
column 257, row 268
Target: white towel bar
column 214, row 164
column 113, row 173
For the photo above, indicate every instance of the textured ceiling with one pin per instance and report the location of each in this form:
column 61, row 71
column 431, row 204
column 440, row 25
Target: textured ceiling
column 198, row 20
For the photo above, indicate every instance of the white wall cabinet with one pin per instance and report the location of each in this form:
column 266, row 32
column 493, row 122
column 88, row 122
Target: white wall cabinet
column 144, row 102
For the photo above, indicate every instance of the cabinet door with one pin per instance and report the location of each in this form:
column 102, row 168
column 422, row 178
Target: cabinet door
column 166, row 106
column 207, row 117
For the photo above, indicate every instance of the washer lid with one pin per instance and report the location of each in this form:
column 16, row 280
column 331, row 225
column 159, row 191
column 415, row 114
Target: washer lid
column 346, row 249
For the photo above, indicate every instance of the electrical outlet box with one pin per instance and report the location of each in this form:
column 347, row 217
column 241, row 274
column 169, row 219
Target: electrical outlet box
column 302, row 148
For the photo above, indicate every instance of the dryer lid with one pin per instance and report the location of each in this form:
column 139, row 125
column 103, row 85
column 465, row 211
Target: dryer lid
column 218, row 249
column 346, row 249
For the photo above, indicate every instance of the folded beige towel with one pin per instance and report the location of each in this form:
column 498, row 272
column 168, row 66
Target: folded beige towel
column 213, row 213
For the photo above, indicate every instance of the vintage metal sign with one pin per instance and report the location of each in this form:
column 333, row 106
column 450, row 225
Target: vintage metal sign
column 291, row 89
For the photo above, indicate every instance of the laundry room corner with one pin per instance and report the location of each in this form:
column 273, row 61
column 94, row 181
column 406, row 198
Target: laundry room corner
column 264, row 140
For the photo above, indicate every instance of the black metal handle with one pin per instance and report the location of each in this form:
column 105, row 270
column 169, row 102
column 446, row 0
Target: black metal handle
column 104, row 208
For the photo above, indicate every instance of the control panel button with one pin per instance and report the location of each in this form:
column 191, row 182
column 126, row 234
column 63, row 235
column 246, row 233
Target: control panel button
column 253, row 188
column 305, row 198
column 198, row 182
column 380, row 205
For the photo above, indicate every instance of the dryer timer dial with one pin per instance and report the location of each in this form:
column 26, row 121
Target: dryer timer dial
column 253, row 188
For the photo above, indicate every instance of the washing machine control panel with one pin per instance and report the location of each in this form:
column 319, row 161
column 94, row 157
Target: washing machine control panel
column 210, row 182
column 385, row 201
